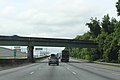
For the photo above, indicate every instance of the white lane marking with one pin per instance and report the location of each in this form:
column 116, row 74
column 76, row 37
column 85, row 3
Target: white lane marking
column 73, row 72
column 31, row 72
column 68, row 68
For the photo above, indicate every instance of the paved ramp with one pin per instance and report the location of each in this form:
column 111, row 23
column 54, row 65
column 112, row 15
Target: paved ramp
column 8, row 53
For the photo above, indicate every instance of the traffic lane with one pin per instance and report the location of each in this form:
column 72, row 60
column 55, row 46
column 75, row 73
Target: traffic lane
column 83, row 74
column 101, row 66
column 105, row 67
column 38, row 71
column 105, row 73
column 18, row 73
column 54, row 72
column 79, row 74
column 41, row 71
column 73, row 73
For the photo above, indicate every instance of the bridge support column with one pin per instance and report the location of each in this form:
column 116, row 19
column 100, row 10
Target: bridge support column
column 30, row 54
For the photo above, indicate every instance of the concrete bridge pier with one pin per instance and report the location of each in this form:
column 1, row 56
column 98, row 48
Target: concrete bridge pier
column 30, row 54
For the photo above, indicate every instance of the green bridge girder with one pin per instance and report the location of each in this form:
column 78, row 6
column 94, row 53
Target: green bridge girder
column 49, row 42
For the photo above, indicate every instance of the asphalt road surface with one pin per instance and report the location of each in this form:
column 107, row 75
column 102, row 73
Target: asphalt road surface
column 74, row 70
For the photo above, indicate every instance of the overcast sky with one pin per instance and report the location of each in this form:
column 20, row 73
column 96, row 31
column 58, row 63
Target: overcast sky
column 51, row 18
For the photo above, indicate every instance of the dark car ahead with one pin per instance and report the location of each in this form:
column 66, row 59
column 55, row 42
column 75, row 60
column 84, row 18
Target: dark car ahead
column 53, row 60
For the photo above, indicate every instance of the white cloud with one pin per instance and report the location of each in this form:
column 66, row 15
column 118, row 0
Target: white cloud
column 7, row 11
column 44, row 17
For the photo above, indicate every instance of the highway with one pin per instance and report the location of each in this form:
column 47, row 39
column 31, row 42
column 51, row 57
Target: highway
column 74, row 70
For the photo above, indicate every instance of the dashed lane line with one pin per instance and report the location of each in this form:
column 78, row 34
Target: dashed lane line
column 31, row 72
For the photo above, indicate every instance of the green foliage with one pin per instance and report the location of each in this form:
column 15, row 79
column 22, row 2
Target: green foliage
column 94, row 26
column 107, row 37
column 107, row 25
column 85, row 36
column 87, row 57
column 118, row 7
column 119, row 56
column 107, row 34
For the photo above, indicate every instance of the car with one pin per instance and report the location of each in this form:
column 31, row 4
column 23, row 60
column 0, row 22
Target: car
column 53, row 60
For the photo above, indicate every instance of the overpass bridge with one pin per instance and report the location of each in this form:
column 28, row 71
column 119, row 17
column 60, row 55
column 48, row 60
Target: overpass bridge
column 49, row 42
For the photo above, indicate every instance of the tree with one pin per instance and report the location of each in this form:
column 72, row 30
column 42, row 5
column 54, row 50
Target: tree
column 112, row 25
column 106, row 34
column 94, row 26
column 117, row 37
column 105, row 23
column 101, row 43
column 118, row 7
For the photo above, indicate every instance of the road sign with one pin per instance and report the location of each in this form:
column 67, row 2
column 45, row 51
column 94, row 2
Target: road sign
column 14, row 53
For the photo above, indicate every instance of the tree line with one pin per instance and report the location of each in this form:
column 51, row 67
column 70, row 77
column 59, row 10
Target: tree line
column 107, row 34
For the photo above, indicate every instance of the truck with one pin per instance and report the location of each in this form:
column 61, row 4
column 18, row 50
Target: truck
column 65, row 56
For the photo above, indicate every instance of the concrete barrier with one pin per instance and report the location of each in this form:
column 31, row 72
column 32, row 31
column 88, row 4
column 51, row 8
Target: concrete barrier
column 8, row 62
column 16, row 61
